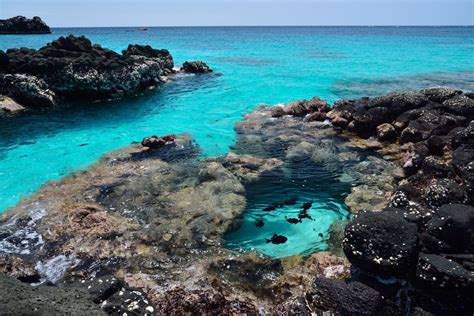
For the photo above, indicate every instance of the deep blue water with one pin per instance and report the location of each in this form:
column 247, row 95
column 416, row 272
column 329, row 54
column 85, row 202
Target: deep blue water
column 257, row 65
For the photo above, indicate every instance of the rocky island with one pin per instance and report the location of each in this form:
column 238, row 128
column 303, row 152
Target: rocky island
column 141, row 231
column 73, row 69
column 23, row 25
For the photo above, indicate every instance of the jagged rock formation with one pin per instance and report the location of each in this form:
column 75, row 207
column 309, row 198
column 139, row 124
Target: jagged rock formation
column 195, row 67
column 22, row 25
column 422, row 244
column 72, row 68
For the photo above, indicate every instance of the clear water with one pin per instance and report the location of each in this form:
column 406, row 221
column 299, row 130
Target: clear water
column 258, row 65
column 301, row 182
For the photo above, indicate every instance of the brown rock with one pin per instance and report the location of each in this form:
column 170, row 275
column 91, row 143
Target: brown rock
column 155, row 142
column 303, row 107
column 316, row 116
column 339, row 121
column 328, row 265
column 9, row 105
column 179, row 301
column 16, row 267
column 277, row 111
column 386, row 132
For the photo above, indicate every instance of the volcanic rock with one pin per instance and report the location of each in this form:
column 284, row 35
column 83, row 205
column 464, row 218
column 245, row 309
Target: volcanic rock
column 22, row 25
column 196, row 67
column 72, row 68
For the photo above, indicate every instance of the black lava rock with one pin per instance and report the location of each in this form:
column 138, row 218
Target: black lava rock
column 454, row 225
column 196, row 67
column 73, row 68
column 22, row 25
column 445, row 283
column 343, row 298
column 104, row 287
column 383, row 243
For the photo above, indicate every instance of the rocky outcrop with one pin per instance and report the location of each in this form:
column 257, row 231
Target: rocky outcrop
column 72, row 68
column 22, row 25
column 409, row 156
column 416, row 253
column 195, row 67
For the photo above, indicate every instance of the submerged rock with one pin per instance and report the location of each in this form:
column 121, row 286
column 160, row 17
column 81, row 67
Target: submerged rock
column 22, row 25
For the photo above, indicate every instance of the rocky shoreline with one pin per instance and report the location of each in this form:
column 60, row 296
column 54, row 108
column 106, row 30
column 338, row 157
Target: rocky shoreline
column 73, row 69
column 23, row 25
column 141, row 231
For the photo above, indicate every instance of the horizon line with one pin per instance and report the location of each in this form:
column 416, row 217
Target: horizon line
column 271, row 25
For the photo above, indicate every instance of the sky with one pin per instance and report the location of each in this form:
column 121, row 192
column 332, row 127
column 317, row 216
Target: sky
column 63, row 13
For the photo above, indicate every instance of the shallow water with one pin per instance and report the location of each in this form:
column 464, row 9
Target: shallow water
column 258, row 65
column 289, row 191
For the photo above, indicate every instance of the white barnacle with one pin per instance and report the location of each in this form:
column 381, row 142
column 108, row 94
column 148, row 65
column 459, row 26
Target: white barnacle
column 150, row 309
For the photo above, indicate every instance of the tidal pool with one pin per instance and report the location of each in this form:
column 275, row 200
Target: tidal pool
column 287, row 193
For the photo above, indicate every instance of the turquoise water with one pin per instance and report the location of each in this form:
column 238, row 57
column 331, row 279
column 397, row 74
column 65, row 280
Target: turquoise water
column 299, row 183
column 257, row 65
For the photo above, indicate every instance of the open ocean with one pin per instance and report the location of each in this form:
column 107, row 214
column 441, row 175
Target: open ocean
column 255, row 65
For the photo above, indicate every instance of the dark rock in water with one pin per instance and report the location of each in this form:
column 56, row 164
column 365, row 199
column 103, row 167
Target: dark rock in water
column 22, row 25
column 314, row 109
column 277, row 239
column 293, row 220
column 259, row 223
column 104, row 287
column 342, row 298
column 196, row 67
column 382, row 243
column 72, row 68
column 155, row 142
column 17, row 298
